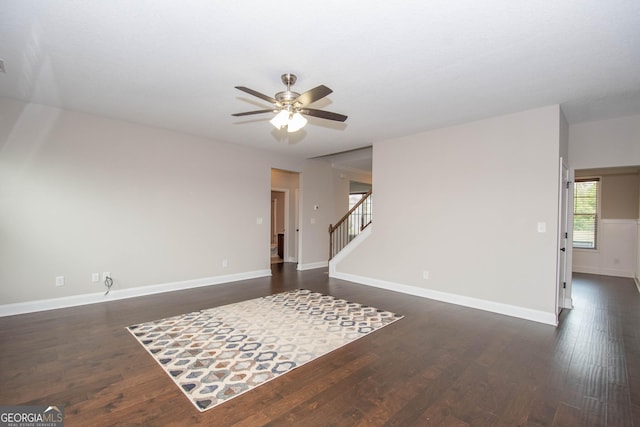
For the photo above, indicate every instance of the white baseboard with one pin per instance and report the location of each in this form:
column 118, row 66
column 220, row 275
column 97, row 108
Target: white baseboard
column 568, row 303
column 117, row 294
column 602, row 271
column 312, row 265
column 494, row 307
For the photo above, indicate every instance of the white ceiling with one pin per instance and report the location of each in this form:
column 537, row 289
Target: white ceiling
column 396, row 68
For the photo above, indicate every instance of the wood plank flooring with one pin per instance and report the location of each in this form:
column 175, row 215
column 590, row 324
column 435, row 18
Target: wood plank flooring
column 442, row 365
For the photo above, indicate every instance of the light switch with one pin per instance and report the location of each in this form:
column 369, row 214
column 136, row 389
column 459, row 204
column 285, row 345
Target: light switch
column 542, row 227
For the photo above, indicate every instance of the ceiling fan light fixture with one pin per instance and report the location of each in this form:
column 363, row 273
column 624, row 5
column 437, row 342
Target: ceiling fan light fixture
column 296, row 122
column 280, row 120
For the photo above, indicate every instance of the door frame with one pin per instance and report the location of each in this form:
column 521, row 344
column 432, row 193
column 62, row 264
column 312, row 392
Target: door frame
column 289, row 182
column 286, row 220
column 563, row 275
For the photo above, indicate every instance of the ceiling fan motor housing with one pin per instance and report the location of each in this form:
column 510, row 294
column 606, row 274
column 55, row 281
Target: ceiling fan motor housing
column 285, row 98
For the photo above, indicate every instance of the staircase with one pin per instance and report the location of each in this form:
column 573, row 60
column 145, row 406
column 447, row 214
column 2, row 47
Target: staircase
column 352, row 224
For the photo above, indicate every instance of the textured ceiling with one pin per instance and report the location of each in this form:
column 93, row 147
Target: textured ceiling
column 396, row 68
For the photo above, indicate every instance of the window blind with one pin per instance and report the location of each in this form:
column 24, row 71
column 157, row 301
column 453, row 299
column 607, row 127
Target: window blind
column 585, row 213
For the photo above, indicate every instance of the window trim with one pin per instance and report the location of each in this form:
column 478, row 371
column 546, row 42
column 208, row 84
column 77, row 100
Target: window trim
column 598, row 221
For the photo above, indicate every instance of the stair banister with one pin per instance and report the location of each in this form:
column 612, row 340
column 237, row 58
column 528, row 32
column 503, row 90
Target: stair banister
column 357, row 219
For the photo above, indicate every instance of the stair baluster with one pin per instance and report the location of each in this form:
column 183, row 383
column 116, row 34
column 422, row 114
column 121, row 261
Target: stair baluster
column 350, row 225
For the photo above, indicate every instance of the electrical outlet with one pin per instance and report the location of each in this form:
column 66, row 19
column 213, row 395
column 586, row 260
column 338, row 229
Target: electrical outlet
column 95, row 277
column 425, row 274
column 59, row 280
column 105, row 275
column 225, row 263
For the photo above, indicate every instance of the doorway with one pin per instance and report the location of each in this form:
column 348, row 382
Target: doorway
column 284, row 234
column 279, row 205
column 610, row 246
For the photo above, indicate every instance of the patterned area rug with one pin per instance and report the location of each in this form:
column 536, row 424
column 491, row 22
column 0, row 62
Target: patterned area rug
column 216, row 354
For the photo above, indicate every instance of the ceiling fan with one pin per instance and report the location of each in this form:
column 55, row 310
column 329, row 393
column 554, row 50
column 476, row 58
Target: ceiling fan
column 291, row 106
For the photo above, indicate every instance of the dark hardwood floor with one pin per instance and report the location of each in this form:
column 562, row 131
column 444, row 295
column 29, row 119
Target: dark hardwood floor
column 442, row 365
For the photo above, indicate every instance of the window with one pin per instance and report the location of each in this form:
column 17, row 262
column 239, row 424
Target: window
column 585, row 213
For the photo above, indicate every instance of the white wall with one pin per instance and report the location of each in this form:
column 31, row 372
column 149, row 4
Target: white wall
column 470, row 216
column 81, row 194
column 605, row 143
column 342, row 179
column 616, row 253
column 318, row 210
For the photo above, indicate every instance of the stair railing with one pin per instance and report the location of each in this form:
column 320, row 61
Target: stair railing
column 350, row 225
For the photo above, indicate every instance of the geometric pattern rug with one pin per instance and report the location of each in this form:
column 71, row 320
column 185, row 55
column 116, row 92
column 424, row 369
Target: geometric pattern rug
column 219, row 353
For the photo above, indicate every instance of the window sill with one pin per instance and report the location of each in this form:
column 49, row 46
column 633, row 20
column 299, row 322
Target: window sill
column 587, row 250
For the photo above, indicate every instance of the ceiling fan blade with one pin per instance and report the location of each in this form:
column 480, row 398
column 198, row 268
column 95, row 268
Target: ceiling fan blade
column 258, row 94
column 324, row 114
column 248, row 113
column 313, row 95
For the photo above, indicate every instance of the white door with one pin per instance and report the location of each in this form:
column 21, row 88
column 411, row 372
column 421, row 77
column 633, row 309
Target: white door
column 563, row 238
